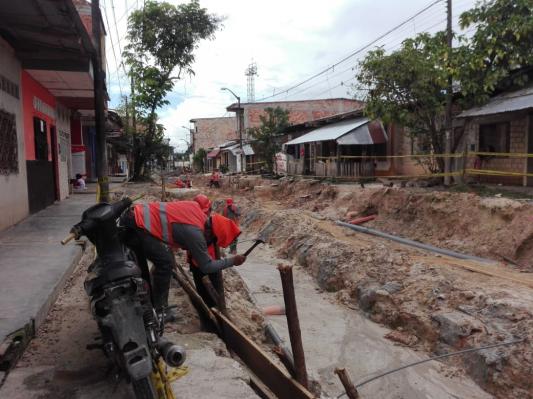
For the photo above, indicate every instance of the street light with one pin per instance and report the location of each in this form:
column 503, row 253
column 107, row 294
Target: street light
column 238, row 121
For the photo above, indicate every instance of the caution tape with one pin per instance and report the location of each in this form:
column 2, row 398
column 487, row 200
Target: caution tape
column 358, row 178
column 501, row 154
column 486, row 172
column 370, row 157
column 163, row 376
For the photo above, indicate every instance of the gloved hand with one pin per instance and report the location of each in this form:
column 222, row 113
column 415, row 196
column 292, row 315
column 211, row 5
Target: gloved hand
column 239, row 260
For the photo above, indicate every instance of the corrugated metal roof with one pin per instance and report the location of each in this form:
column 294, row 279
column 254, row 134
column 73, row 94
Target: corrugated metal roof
column 369, row 133
column 236, row 149
column 508, row 102
column 214, row 153
column 330, row 132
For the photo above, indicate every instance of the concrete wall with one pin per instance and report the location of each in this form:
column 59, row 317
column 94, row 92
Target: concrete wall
column 13, row 187
column 211, row 132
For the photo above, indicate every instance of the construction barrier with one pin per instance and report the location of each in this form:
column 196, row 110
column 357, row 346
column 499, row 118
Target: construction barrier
column 464, row 170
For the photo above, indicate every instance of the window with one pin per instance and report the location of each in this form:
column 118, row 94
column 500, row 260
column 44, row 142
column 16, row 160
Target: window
column 9, row 161
column 494, row 137
column 41, row 140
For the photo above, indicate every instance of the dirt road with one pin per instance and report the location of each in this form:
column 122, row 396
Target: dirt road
column 334, row 336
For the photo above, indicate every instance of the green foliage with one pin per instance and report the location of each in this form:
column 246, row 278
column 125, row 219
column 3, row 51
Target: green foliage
column 408, row 86
column 199, row 159
column 162, row 40
column 500, row 46
column 268, row 134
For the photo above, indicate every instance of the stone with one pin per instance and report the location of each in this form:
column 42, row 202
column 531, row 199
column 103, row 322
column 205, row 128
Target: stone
column 392, row 287
column 366, row 296
column 455, row 325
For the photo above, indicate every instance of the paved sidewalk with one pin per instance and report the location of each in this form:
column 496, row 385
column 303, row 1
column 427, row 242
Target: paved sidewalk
column 34, row 265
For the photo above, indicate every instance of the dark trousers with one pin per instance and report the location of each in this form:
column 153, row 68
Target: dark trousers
column 200, row 287
column 148, row 247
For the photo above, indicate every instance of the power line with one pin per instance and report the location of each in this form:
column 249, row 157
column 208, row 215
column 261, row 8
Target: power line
column 113, row 48
column 118, row 38
column 392, row 45
column 355, row 52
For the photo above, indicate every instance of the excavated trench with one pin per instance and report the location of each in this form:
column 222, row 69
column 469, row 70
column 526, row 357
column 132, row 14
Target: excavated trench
column 429, row 303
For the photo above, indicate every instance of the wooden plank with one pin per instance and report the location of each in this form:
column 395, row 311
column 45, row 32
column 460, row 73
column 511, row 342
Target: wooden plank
column 275, row 378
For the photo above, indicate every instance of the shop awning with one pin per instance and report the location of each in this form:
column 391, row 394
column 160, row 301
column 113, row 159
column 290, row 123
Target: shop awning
column 214, row 153
column 329, row 132
column 360, row 131
column 236, row 149
column 369, row 133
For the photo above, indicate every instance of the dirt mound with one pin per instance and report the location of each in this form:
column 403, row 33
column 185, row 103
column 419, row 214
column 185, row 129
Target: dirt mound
column 497, row 228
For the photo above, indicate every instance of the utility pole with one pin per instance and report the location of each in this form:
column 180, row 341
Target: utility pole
column 239, row 124
column 449, row 98
column 99, row 111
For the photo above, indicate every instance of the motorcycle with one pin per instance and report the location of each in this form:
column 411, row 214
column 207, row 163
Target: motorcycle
column 119, row 292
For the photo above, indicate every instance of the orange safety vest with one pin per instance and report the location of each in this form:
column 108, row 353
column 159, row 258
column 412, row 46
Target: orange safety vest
column 157, row 217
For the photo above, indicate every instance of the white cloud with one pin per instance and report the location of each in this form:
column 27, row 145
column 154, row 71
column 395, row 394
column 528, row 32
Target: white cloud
column 289, row 40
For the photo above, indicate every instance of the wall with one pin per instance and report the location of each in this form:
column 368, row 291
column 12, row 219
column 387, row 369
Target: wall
column 519, row 126
column 31, row 89
column 300, row 111
column 212, row 132
column 13, row 188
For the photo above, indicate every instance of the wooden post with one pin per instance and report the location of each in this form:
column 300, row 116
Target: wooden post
column 347, row 383
column 293, row 323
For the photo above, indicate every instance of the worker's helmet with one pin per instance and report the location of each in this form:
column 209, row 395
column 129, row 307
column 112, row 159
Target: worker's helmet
column 229, row 201
column 204, row 203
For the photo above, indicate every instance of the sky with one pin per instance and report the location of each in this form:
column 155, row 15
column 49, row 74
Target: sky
column 289, row 40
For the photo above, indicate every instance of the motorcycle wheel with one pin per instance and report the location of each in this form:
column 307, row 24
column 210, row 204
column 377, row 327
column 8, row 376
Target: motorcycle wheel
column 144, row 389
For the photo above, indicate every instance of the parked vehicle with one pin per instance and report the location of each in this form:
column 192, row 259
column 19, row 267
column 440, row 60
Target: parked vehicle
column 118, row 286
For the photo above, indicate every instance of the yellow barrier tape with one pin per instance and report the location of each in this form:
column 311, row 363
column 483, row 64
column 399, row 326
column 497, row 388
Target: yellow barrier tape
column 255, row 163
column 370, row 157
column 163, row 376
column 486, row 172
column 501, row 154
column 357, row 178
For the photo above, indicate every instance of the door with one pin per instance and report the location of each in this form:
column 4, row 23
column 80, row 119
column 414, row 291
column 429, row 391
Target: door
column 41, row 175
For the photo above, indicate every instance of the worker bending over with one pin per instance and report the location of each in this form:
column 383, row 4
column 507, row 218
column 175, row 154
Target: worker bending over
column 181, row 224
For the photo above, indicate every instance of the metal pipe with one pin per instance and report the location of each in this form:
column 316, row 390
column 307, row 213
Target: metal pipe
column 412, row 243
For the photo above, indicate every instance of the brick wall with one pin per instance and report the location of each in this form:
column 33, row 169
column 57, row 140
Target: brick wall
column 300, row 111
column 211, row 132
column 518, row 131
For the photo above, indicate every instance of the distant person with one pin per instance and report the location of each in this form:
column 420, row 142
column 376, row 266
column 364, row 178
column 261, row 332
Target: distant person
column 232, row 212
column 80, row 182
column 214, row 180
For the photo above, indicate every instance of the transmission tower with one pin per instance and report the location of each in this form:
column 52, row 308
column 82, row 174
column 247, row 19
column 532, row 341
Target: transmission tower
column 251, row 73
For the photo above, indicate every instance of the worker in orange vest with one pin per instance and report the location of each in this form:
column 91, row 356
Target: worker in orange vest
column 232, row 212
column 180, row 224
column 214, row 180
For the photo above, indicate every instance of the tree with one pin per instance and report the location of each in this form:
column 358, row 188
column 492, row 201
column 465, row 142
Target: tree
column 496, row 54
column 268, row 134
column 162, row 40
column 199, row 158
column 407, row 87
